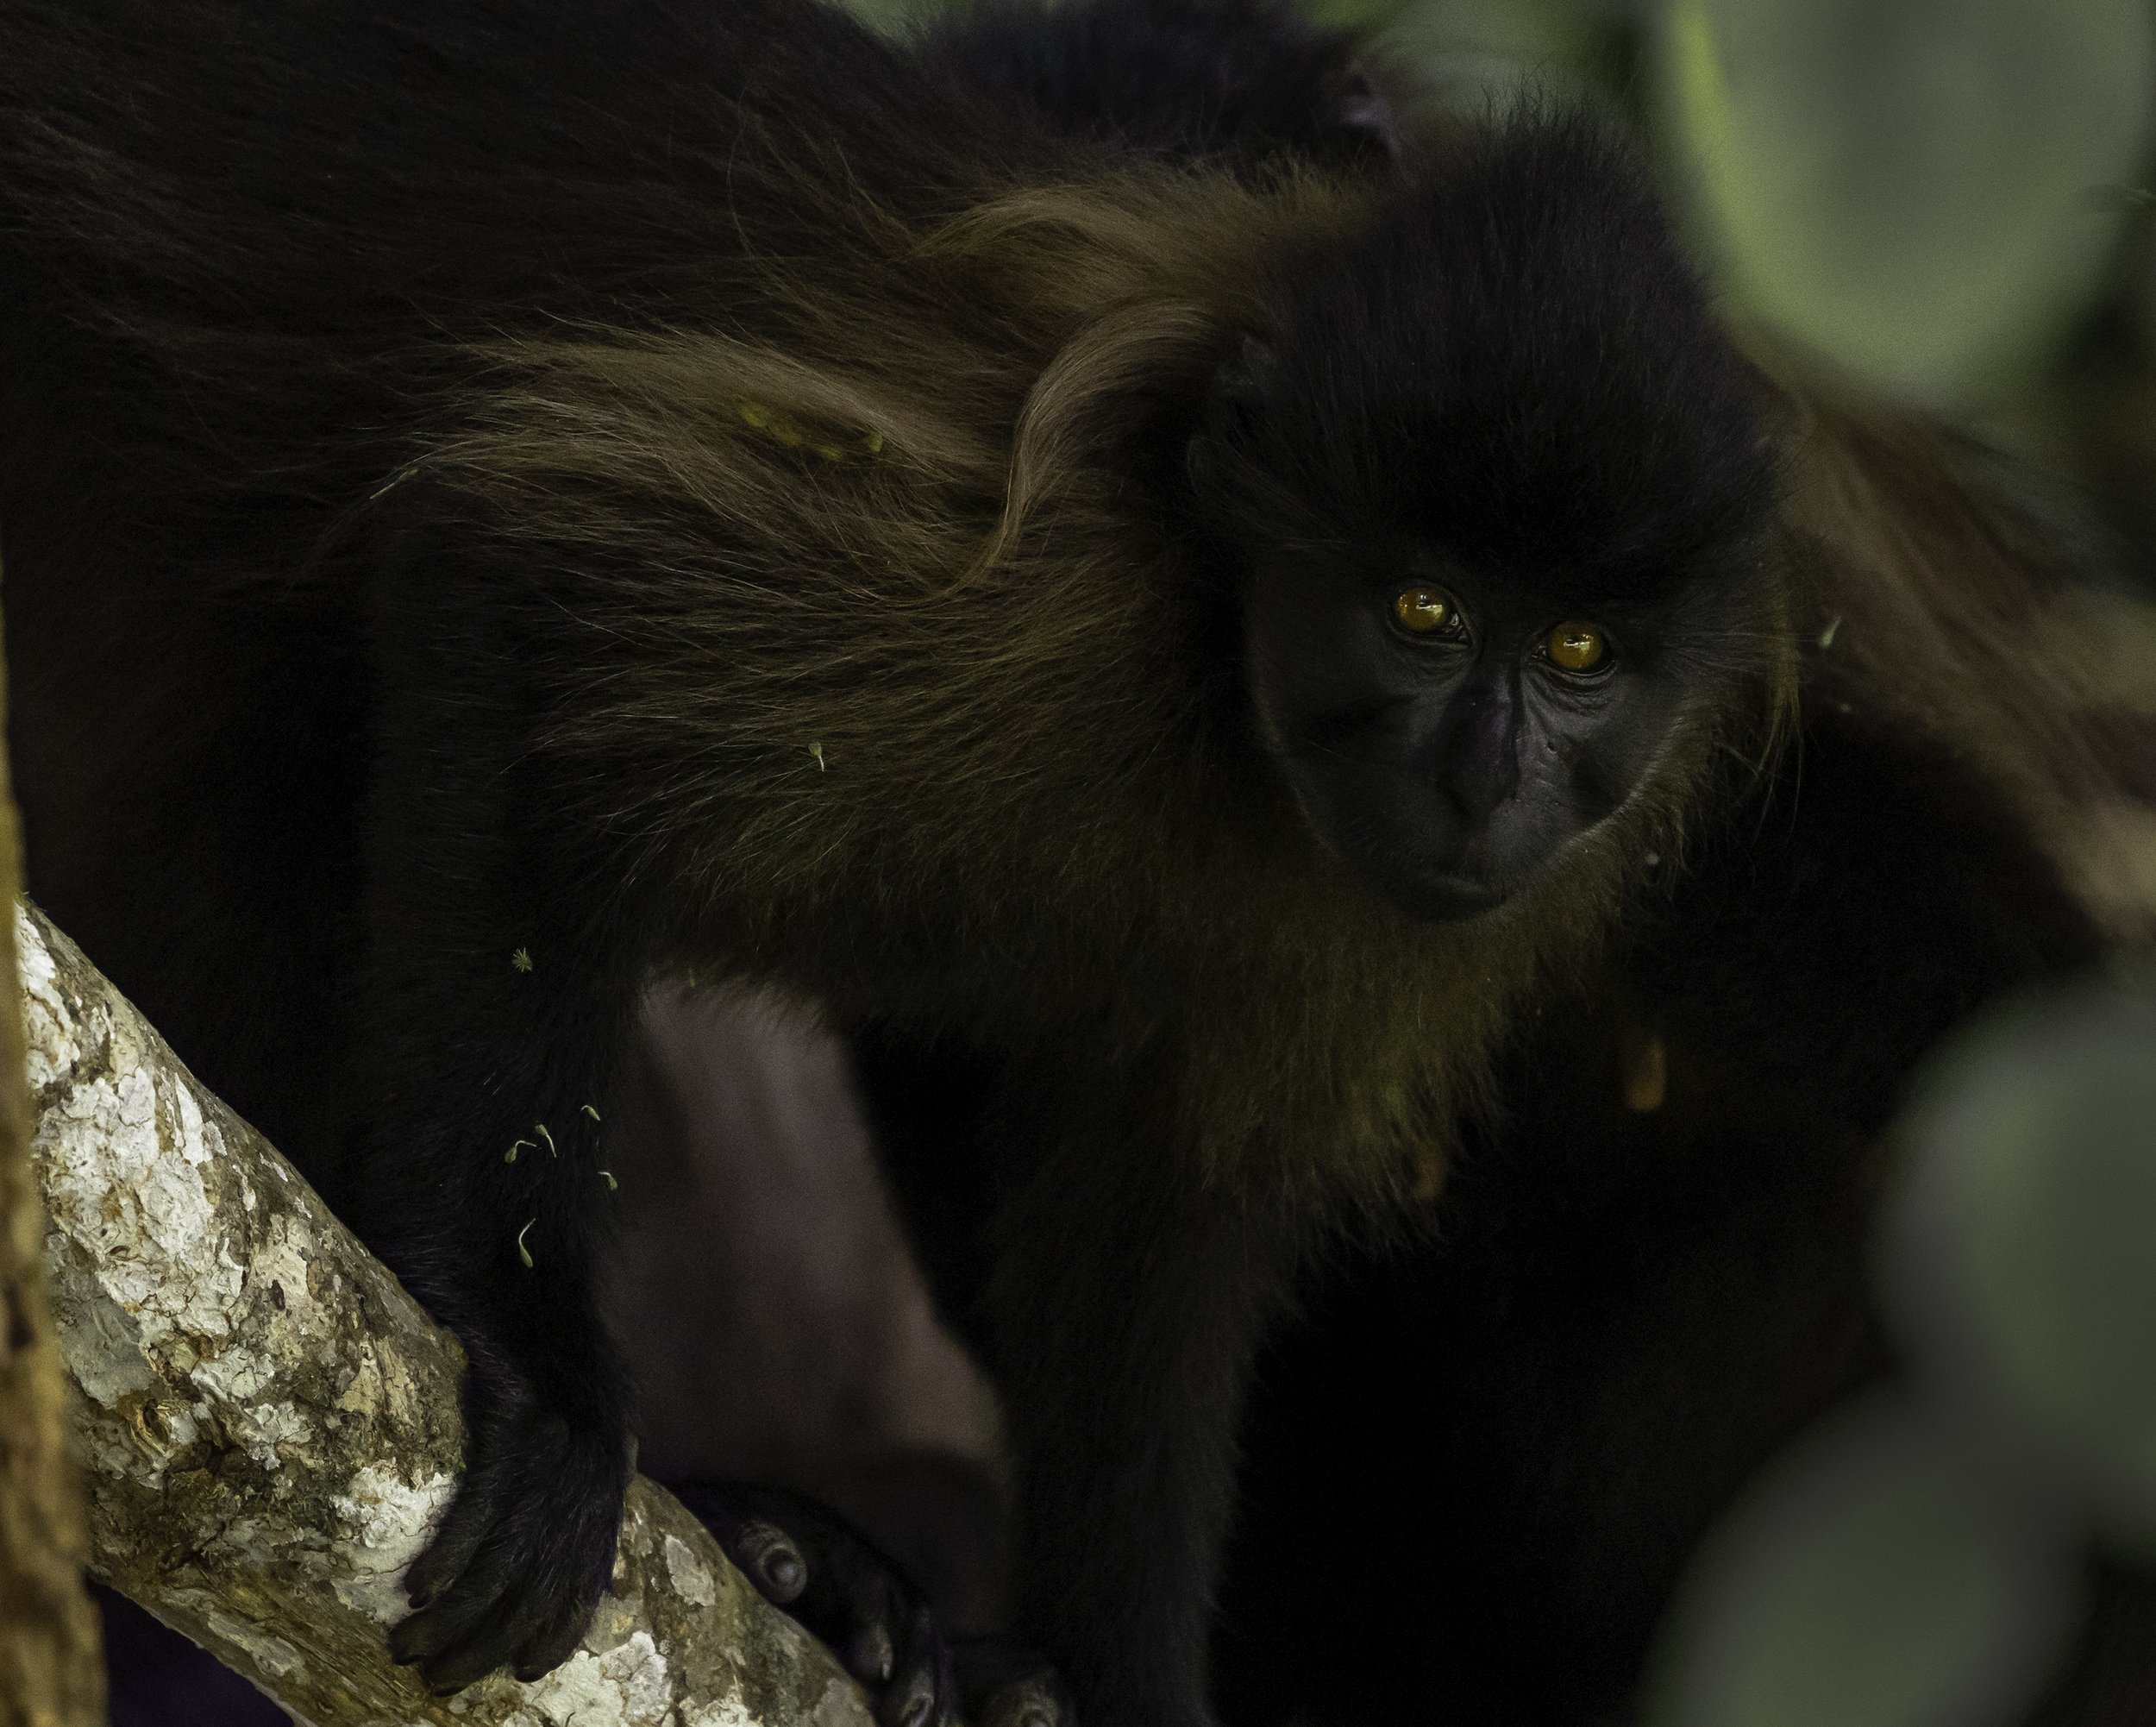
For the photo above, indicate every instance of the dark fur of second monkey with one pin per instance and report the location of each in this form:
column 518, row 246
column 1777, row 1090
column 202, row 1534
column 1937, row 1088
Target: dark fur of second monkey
column 399, row 578
column 1182, row 78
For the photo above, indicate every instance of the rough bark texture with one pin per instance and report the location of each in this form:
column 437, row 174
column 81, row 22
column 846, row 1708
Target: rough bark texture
column 270, row 1423
column 52, row 1673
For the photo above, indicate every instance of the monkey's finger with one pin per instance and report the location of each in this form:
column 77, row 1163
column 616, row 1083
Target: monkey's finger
column 840, row 1589
column 552, row 1643
column 500, row 1612
column 449, row 1555
column 488, row 1641
column 438, row 1640
column 772, row 1559
column 922, row 1690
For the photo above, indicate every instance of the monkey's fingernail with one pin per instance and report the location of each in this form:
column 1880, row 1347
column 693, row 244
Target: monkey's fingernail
column 920, row 1699
column 869, row 1655
column 770, row 1554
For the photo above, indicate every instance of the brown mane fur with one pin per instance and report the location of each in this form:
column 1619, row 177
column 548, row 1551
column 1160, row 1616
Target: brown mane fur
column 1938, row 607
column 827, row 757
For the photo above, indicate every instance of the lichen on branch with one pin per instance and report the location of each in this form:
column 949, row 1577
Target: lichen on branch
column 270, row 1424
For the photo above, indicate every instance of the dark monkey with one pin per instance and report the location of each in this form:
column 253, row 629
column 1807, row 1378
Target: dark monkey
column 1186, row 78
column 503, row 500
column 1473, row 1471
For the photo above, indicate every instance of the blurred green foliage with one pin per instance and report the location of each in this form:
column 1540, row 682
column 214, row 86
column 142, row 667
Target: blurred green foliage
column 1876, row 1578
column 1941, row 202
column 1919, row 1559
column 2019, row 1258
column 1907, row 188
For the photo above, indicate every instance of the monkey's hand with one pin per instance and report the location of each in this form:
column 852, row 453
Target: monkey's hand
column 518, row 1567
column 810, row 1566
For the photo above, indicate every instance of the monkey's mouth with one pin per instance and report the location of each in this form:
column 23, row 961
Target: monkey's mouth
column 1447, row 897
column 1430, row 892
column 1429, row 867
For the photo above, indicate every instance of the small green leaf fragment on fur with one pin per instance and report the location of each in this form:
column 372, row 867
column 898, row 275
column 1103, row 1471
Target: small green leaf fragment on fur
column 540, row 1128
column 612, row 1186
column 523, row 1252
column 521, row 959
column 817, row 750
column 592, row 1113
column 510, row 1156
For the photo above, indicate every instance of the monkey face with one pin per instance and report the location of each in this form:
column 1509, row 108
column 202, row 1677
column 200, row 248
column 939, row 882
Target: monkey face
column 1496, row 487
column 1447, row 733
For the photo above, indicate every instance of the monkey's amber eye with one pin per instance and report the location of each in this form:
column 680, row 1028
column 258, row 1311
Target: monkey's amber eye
column 1575, row 647
column 1427, row 612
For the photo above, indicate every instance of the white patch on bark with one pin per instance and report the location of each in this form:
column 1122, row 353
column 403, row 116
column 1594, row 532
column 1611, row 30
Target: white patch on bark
column 135, row 1199
column 104, row 1348
column 838, row 1705
column 692, row 1578
column 624, row 1687
column 388, row 1523
column 729, row 1712
column 275, row 1656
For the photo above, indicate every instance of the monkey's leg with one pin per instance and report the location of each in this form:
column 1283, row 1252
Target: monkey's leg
column 494, row 1004
column 1127, row 1306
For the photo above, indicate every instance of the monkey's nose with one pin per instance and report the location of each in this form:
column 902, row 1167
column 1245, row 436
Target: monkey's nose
column 1478, row 791
column 1479, row 767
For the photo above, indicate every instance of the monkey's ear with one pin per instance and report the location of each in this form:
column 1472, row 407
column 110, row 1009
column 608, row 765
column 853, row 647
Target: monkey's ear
column 1244, row 379
column 1234, row 401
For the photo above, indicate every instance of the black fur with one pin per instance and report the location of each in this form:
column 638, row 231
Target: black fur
column 1879, row 895
column 269, row 756
column 1410, row 405
column 421, row 629
column 1182, row 78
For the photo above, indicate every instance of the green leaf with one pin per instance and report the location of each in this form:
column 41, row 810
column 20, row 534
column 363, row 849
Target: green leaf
column 1879, row 1575
column 2019, row 1255
column 1902, row 186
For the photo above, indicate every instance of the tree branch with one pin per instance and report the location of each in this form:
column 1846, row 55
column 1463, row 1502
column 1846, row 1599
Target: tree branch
column 270, row 1424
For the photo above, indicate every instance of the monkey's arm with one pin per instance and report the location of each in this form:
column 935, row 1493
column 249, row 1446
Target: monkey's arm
column 1130, row 1335
column 499, row 986
column 1118, row 1302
